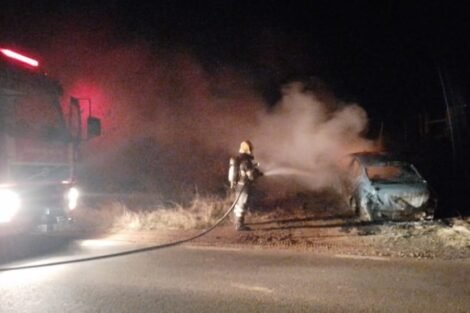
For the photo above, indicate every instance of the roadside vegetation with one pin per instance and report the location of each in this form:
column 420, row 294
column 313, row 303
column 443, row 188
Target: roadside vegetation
column 116, row 215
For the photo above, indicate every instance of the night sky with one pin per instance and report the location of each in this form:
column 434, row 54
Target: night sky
column 384, row 55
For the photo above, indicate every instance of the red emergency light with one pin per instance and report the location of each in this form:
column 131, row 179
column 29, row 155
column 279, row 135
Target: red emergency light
column 19, row 57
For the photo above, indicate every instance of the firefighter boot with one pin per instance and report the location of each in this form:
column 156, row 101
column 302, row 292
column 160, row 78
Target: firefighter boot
column 240, row 224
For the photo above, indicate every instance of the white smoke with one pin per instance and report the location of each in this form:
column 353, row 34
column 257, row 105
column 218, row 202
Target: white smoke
column 308, row 139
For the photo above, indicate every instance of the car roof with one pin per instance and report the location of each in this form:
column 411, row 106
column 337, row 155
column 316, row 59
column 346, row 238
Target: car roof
column 377, row 158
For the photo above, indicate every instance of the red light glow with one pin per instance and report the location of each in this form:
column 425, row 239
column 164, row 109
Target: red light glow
column 19, row 57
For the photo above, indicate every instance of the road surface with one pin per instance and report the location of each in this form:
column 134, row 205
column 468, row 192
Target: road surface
column 205, row 279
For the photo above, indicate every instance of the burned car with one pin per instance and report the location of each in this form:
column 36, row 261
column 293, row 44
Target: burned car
column 385, row 188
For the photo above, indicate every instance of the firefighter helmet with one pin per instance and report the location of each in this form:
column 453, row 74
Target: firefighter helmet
column 246, row 147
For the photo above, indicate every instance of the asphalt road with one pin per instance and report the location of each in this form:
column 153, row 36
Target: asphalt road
column 204, row 279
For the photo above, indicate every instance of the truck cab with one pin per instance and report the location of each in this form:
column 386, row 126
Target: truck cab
column 39, row 146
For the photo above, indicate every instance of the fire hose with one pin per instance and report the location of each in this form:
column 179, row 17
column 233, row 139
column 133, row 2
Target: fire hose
column 129, row 252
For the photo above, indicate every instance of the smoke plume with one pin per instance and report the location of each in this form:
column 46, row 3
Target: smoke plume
column 308, row 136
column 169, row 124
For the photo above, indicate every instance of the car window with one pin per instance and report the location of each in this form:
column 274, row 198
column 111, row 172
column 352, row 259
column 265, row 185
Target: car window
column 391, row 173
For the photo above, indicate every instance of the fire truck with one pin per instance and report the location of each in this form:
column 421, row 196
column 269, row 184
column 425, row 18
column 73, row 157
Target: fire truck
column 39, row 144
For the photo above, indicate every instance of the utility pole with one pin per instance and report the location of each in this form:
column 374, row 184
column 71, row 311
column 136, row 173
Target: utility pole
column 449, row 118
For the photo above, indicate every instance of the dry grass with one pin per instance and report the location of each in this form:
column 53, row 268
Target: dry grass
column 114, row 215
column 458, row 235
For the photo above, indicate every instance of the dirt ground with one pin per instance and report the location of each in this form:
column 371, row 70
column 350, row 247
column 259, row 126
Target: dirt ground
column 321, row 222
column 324, row 233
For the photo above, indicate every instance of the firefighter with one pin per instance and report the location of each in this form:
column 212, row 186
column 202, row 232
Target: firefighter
column 243, row 171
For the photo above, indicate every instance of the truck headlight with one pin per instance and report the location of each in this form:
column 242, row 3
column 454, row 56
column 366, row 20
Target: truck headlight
column 72, row 198
column 10, row 203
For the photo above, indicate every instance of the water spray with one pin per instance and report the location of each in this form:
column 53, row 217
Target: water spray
column 288, row 171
